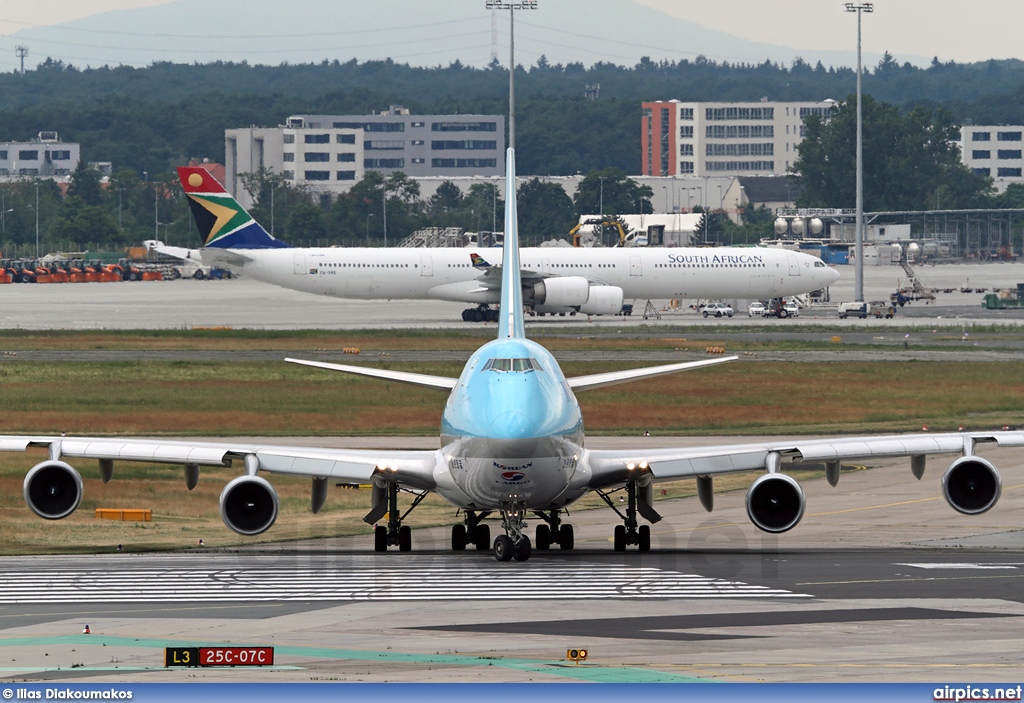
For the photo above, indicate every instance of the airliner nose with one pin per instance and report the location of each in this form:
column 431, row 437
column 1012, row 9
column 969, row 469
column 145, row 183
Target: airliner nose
column 832, row 276
column 513, row 425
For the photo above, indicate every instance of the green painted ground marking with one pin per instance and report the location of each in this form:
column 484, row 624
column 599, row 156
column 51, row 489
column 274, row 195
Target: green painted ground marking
column 587, row 672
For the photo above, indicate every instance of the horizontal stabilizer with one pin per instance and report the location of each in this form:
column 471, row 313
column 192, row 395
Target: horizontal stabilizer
column 416, row 379
column 598, row 380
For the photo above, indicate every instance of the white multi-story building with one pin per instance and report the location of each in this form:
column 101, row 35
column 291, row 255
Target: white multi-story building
column 330, row 153
column 724, row 139
column 994, row 151
column 44, row 157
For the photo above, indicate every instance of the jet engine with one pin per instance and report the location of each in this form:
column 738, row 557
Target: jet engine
column 248, row 505
column 53, row 489
column 603, row 300
column 571, row 291
column 971, row 485
column 775, row 502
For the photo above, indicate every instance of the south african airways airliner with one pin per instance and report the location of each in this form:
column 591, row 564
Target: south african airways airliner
column 591, row 281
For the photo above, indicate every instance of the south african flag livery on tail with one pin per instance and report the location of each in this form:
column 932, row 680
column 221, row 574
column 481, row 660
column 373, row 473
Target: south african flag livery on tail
column 221, row 220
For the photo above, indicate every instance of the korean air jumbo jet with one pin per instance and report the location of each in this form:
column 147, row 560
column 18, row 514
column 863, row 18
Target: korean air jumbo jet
column 512, row 445
column 555, row 280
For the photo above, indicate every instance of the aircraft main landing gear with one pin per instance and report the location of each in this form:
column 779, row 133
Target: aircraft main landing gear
column 514, row 544
column 639, row 499
column 472, row 531
column 553, row 531
column 481, row 313
column 395, row 534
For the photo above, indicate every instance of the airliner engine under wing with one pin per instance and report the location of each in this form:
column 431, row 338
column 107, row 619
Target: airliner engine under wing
column 556, row 279
column 512, row 443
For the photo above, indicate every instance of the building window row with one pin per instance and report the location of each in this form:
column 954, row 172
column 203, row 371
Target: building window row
column 317, row 138
column 463, row 163
column 755, row 131
column 439, row 145
column 1008, row 153
column 349, row 156
column 981, row 136
column 766, row 149
column 739, row 166
column 685, row 167
column 311, row 157
column 464, row 126
column 686, row 113
column 346, row 139
column 686, row 149
column 384, row 145
column 686, row 132
column 383, row 163
column 26, row 155
column 1008, row 136
column 664, row 141
column 372, row 126
column 346, row 175
column 739, row 113
column 289, row 156
column 1009, row 172
column 825, row 113
column 318, row 175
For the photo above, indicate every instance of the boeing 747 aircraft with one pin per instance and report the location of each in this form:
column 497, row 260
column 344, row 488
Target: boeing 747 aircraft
column 555, row 280
column 511, row 445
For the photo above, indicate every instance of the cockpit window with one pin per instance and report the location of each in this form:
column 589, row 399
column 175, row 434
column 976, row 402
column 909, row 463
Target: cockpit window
column 515, row 365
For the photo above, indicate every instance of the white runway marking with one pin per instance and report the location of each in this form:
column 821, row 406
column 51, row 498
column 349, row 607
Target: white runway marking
column 354, row 579
column 962, row 565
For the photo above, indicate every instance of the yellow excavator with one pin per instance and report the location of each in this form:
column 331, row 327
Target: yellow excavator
column 575, row 231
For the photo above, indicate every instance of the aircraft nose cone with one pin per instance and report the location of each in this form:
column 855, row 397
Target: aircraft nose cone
column 513, row 425
column 833, row 276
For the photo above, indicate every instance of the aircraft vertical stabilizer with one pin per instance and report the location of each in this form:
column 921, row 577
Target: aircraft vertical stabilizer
column 510, row 322
column 221, row 221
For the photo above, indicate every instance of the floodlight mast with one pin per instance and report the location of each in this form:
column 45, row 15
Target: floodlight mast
column 858, row 288
column 511, row 7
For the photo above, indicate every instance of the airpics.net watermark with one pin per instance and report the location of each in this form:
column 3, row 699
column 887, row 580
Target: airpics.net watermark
column 978, row 693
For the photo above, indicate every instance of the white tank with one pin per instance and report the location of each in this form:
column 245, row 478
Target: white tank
column 816, row 225
column 781, row 225
column 798, row 226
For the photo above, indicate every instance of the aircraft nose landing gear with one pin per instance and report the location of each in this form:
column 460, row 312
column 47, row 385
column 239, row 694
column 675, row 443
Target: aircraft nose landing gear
column 514, row 544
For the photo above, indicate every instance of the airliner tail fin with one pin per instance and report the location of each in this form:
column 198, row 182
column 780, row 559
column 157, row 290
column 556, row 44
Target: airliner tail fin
column 510, row 322
column 221, row 221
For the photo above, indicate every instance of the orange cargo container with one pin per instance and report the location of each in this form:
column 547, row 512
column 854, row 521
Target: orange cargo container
column 125, row 514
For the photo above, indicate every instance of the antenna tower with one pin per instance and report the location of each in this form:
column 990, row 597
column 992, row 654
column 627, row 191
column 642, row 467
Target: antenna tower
column 494, row 35
column 22, row 52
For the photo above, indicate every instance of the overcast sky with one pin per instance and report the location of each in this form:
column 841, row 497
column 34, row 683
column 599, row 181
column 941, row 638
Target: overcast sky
column 961, row 30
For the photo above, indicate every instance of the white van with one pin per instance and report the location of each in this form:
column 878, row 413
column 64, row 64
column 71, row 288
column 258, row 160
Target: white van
column 853, row 310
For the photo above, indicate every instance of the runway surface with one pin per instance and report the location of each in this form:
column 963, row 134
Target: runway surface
column 244, row 303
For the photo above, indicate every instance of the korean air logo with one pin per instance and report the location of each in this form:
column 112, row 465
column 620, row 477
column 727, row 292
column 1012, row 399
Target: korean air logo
column 512, row 476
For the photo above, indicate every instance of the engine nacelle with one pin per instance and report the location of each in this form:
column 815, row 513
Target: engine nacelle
column 53, row 489
column 603, row 300
column 248, row 505
column 971, row 485
column 775, row 502
column 571, row 291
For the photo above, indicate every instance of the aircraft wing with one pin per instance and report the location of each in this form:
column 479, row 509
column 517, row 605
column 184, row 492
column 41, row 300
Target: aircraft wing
column 610, row 467
column 415, row 379
column 414, row 469
column 599, row 380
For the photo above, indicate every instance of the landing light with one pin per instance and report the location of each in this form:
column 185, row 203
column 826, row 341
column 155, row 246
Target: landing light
column 630, row 466
column 643, row 464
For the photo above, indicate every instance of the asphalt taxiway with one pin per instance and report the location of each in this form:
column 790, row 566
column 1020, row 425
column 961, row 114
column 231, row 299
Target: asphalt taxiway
column 880, row 581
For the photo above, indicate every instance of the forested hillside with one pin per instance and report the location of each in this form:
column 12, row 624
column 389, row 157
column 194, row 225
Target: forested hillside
column 152, row 118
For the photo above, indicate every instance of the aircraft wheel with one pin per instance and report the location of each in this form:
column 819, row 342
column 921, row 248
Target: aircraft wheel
column 522, row 550
column 566, row 538
column 645, row 538
column 405, row 538
column 380, row 539
column 543, row 537
column 620, row 538
column 503, row 548
column 482, row 537
column 478, row 315
column 458, row 538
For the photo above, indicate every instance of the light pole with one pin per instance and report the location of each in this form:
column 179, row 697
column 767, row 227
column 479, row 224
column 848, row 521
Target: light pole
column 385, row 201
column 858, row 287
column 37, row 219
column 368, row 228
column 664, row 189
column 601, row 201
column 511, row 7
